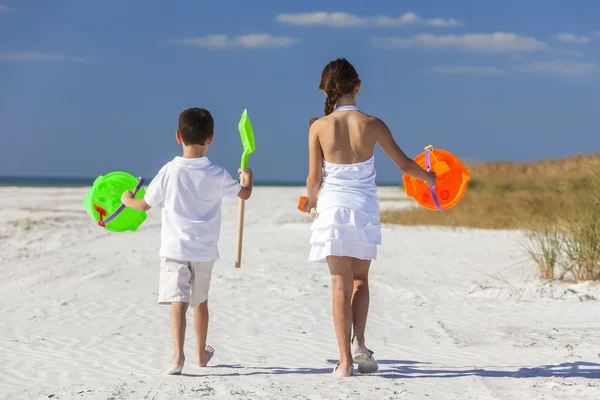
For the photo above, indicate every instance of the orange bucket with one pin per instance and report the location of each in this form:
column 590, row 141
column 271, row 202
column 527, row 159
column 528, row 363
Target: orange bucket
column 452, row 178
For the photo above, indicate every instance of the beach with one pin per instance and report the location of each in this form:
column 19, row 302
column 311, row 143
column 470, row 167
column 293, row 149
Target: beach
column 455, row 313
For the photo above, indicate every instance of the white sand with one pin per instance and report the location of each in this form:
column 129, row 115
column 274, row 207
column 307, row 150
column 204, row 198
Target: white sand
column 455, row 314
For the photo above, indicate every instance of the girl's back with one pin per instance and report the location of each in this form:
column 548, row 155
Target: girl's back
column 346, row 136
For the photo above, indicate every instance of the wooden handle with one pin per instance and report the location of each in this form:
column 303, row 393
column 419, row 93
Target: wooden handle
column 240, row 232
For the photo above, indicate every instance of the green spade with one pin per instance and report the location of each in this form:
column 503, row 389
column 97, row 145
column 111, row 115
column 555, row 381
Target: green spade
column 247, row 136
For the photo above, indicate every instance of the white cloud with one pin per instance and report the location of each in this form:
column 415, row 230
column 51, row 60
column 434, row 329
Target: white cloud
column 334, row 19
column 445, row 22
column 571, row 38
column 342, row 19
column 497, row 42
column 4, row 8
column 466, row 70
column 559, row 67
column 35, row 56
column 255, row 40
column 411, row 18
column 408, row 18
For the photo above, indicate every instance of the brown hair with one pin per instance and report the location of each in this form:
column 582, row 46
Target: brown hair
column 338, row 78
column 195, row 126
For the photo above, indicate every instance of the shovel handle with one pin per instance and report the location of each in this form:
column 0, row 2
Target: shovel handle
column 240, row 233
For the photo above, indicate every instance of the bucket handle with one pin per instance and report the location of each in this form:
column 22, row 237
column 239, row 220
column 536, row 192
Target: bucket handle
column 428, row 151
column 122, row 207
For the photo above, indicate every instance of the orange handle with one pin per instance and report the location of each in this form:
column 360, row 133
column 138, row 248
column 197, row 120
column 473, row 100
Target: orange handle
column 302, row 203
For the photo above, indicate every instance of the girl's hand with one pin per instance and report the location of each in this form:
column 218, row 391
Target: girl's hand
column 310, row 204
column 431, row 179
column 311, row 208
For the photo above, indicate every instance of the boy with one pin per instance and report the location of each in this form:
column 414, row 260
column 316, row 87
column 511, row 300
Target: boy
column 190, row 190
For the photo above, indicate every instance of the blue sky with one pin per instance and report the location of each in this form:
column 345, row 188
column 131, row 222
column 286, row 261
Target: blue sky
column 91, row 87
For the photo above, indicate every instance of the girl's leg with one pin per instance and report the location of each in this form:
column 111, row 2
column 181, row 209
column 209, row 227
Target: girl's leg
column 360, row 304
column 201, row 317
column 341, row 286
column 178, row 323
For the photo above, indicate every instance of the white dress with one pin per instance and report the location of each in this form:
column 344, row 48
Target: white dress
column 348, row 211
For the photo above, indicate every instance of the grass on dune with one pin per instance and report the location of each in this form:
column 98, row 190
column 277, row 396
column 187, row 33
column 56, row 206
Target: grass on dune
column 556, row 201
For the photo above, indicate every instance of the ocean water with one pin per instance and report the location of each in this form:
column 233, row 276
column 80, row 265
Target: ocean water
column 87, row 182
column 33, row 181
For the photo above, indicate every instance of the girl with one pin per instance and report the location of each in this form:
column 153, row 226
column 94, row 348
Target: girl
column 346, row 229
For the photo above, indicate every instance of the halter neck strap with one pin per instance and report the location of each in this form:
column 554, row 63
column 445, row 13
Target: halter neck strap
column 346, row 108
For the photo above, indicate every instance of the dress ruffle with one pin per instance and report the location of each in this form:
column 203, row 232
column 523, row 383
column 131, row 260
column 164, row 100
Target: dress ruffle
column 339, row 231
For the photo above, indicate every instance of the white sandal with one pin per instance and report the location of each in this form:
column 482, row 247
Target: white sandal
column 366, row 363
column 339, row 375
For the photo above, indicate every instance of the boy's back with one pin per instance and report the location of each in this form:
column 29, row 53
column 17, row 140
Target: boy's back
column 190, row 191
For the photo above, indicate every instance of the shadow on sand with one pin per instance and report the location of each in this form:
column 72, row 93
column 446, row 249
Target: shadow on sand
column 577, row 369
column 406, row 369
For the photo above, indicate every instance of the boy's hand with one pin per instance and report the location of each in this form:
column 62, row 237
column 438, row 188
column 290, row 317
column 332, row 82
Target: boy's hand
column 246, row 177
column 126, row 197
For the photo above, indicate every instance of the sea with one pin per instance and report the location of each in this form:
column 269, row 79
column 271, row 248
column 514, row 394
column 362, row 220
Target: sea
column 33, row 181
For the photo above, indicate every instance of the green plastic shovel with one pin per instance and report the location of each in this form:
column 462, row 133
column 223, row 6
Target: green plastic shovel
column 247, row 136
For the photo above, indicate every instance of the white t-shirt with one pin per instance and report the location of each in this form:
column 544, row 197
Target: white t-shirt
column 190, row 191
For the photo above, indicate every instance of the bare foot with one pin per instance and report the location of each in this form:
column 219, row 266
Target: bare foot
column 205, row 356
column 176, row 366
column 178, row 360
column 174, row 370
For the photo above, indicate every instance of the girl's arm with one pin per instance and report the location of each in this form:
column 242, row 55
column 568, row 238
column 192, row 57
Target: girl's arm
column 315, row 165
column 406, row 165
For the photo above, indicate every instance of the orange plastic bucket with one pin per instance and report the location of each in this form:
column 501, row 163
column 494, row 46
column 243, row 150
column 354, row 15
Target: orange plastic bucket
column 452, row 178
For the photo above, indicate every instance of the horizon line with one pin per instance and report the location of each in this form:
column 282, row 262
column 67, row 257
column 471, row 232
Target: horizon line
column 81, row 181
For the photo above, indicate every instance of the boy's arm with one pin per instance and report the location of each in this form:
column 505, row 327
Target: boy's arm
column 154, row 194
column 137, row 204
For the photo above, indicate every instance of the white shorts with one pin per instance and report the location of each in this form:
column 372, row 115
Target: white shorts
column 184, row 281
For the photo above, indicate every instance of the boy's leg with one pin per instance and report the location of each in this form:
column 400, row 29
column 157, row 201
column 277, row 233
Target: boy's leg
column 178, row 324
column 174, row 289
column 201, row 276
column 201, row 317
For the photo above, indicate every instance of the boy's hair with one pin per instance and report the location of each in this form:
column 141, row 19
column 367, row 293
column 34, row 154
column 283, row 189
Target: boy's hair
column 195, row 126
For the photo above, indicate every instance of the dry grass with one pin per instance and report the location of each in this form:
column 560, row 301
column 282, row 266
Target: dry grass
column 505, row 195
column 556, row 201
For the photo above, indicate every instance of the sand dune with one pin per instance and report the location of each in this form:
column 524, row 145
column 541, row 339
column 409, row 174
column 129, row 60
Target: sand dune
column 455, row 314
